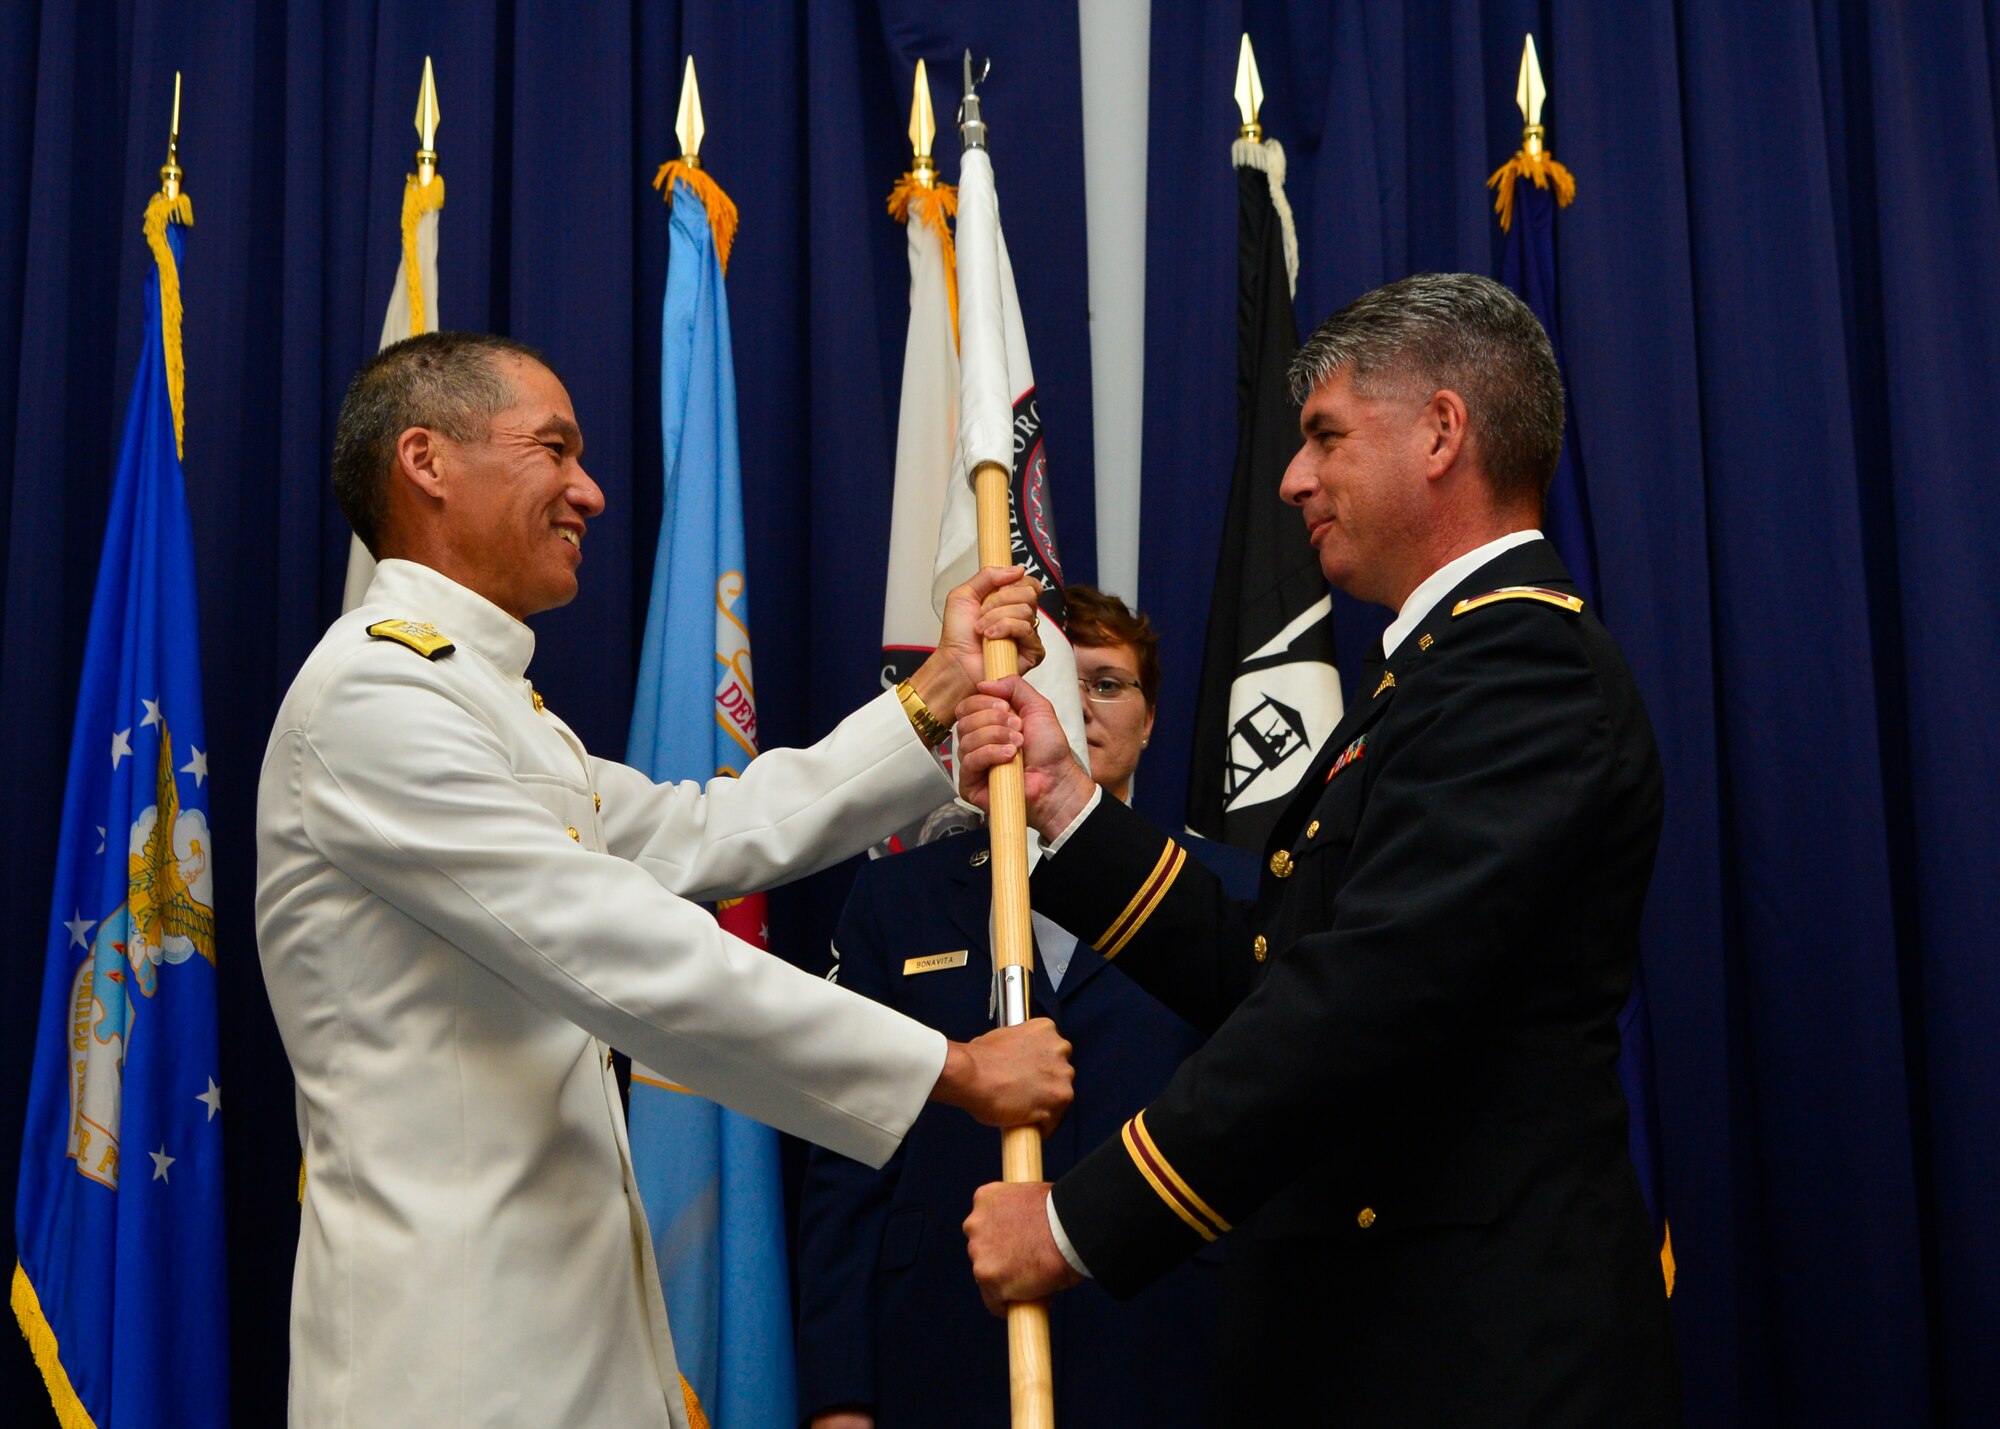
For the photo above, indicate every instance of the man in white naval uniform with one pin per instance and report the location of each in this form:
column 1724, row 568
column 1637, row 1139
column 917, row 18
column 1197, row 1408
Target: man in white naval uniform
column 460, row 910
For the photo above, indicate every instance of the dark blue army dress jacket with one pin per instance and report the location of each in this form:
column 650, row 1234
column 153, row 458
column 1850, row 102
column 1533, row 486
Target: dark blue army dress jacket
column 1407, row 1109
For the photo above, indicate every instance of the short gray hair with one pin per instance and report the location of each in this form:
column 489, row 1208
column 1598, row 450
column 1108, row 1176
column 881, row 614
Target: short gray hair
column 450, row 382
column 1457, row 330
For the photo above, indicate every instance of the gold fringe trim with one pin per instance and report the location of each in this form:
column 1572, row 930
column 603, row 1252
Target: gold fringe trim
column 933, row 205
column 1667, row 1256
column 418, row 200
column 696, row 1418
column 160, row 211
column 1268, row 157
column 70, row 1413
column 1541, row 169
column 721, row 210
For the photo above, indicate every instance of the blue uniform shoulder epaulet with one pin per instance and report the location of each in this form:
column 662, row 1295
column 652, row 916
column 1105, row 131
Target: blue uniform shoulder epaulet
column 1572, row 604
column 426, row 640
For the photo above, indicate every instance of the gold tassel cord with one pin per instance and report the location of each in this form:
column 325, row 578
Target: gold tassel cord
column 1539, row 168
column 696, row 1418
column 41, row 1336
column 721, row 210
column 160, row 211
column 418, row 200
column 934, row 205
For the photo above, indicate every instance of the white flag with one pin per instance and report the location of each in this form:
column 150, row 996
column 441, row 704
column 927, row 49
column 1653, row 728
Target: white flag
column 409, row 314
column 926, row 432
column 999, row 421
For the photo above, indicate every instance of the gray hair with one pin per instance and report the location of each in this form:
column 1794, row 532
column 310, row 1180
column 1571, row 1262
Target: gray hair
column 449, row 382
column 1459, row 331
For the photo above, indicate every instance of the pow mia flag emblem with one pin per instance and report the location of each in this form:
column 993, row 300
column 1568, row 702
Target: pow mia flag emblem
column 1260, row 741
column 1283, row 703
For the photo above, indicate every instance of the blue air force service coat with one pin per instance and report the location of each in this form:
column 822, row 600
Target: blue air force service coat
column 889, row 1316
column 459, row 911
column 1408, row 1112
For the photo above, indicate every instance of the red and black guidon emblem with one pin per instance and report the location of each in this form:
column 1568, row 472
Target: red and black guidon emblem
column 1033, row 516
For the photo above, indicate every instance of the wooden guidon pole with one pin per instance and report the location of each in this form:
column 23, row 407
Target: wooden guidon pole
column 1029, row 1365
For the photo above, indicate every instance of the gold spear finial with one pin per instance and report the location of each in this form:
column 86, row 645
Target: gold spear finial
column 688, row 127
column 1529, row 94
column 428, row 116
column 170, row 172
column 923, row 130
column 1249, row 93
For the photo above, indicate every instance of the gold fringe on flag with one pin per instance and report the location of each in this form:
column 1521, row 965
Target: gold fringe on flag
column 1541, row 169
column 696, row 1418
column 160, row 211
column 418, row 200
column 933, row 204
column 721, row 210
column 41, row 1335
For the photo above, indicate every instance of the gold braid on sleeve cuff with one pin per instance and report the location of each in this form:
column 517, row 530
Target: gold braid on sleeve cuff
column 930, row 729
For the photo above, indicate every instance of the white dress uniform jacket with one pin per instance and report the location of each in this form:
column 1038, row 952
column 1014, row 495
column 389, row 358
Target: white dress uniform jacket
column 458, row 911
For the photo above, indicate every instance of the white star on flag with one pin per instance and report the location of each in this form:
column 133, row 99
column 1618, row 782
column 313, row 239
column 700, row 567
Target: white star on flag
column 100, row 838
column 161, row 1161
column 212, row 1097
column 121, row 746
column 78, row 926
column 197, row 766
column 153, row 715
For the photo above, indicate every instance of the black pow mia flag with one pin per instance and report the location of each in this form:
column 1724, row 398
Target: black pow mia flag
column 1270, row 694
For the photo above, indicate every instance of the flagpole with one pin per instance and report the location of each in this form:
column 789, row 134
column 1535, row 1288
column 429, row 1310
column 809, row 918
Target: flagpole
column 1030, row 1365
column 413, row 305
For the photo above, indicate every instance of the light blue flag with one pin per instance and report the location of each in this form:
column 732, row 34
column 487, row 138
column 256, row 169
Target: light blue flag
column 120, row 1285
column 708, row 1176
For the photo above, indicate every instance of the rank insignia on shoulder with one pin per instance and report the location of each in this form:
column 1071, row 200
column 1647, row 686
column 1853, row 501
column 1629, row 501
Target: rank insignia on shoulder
column 1347, row 756
column 422, row 638
column 1572, row 604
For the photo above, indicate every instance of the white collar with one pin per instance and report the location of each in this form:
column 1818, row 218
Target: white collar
column 1440, row 581
column 416, row 592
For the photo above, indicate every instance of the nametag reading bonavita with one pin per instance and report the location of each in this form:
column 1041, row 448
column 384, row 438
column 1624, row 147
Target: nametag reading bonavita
column 934, row 963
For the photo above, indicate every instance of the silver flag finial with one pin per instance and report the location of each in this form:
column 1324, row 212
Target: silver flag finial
column 971, row 128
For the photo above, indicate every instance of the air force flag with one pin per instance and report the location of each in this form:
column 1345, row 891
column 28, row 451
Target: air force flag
column 120, row 1285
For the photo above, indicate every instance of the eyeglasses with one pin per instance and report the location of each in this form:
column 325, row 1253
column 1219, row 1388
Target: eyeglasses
column 1106, row 689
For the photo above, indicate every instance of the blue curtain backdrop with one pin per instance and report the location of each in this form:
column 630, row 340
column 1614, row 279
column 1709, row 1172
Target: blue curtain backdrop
column 1781, row 308
column 296, row 135
column 1781, row 304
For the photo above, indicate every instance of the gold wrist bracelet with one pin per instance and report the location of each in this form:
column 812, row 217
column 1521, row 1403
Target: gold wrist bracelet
column 930, row 729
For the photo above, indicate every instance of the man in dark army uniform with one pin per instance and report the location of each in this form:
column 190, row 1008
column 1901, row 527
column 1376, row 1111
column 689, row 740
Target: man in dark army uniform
column 1408, row 1108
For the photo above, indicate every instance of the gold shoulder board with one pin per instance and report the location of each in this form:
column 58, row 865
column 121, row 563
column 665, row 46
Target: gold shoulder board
column 422, row 638
column 1572, row 604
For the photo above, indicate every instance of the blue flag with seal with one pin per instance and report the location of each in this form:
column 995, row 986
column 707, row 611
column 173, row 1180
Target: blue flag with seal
column 120, row 1285
column 709, row 1177
column 1528, row 265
